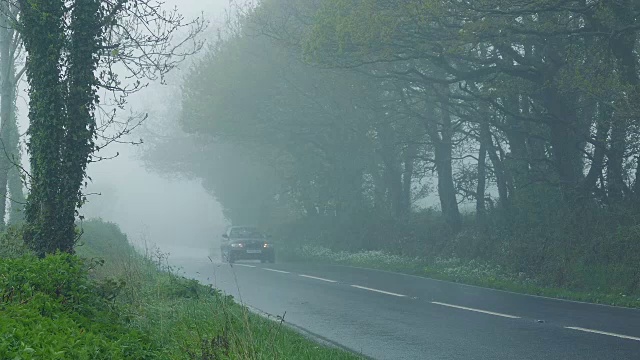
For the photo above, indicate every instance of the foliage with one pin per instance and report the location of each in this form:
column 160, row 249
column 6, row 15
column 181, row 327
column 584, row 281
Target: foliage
column 11, row 242
column 50, row 310
column 525, row 111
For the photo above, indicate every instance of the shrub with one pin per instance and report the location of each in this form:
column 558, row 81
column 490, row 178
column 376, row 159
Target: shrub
column 51, row 310
column 11, row 243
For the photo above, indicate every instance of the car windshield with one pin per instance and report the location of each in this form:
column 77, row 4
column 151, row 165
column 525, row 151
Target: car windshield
column 246, row 232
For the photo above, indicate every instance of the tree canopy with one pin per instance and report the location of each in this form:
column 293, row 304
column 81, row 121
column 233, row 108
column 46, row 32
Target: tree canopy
column 525, row 111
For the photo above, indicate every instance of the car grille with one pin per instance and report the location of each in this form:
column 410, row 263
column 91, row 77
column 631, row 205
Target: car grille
column 253, row 244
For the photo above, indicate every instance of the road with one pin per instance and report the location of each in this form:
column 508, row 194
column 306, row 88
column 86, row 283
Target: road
column 385, row 315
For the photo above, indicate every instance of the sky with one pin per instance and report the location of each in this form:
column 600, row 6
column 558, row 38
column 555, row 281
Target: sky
column 146, row 205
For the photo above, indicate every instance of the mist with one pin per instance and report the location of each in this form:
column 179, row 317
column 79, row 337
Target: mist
column 149, row 206
column 320, row 179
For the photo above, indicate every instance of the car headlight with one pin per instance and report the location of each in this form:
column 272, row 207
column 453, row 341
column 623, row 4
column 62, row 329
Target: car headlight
column 237, row 245
column 266, row 245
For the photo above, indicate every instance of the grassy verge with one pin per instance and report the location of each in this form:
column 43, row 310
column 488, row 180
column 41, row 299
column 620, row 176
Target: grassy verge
column 110, row 302
column 456, row 270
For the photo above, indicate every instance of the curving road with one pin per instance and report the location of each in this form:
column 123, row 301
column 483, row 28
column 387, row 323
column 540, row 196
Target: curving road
column 385, row 315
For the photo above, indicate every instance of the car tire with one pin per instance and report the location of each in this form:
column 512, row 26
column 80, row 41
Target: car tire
column 230, row 258
column 272, row 259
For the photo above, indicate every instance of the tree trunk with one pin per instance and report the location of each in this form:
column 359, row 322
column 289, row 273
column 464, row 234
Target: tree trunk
column 482, row 183
column 498, row 166
column 7, row 105
column 516, row 134
column 392, row 167
column 393, row 180
column 623, row 48
column 446, row 187
column 442, row 137
column 597, row 163
column 44, row 41
column 16, row 193
column 379, row 189
column 407, row 177
column 564, row 142
column 615, row 160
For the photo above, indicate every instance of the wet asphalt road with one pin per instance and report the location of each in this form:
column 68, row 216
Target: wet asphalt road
column 385, row 315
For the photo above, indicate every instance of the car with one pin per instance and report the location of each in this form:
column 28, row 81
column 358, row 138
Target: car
column 246, row 243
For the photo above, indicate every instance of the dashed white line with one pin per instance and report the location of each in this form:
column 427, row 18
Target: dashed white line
column 476, row 310
column 603, row 333
column 245, row 265
column 317, row 278
column 278, row 271
column 378, row 291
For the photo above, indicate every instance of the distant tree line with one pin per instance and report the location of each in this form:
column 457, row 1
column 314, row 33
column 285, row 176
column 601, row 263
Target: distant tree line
column 334, row 117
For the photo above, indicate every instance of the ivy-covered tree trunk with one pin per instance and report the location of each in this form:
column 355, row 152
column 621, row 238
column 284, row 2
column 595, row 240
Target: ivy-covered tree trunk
column 61, row 72
column 43, row 36
column 85, row 40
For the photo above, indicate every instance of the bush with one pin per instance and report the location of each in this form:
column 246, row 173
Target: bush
column 11, row 243
column 424, row 233
column 50, row 310
column 103, row 239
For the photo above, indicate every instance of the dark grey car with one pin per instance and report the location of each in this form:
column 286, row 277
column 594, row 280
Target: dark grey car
column 246, row 243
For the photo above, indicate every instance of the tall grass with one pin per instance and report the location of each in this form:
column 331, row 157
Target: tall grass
column 186, row 319
column 111, row 302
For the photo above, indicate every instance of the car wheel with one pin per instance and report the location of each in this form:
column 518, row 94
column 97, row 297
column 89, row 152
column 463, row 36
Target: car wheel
column 263, row 260
column 230, row 258
column 272, row 259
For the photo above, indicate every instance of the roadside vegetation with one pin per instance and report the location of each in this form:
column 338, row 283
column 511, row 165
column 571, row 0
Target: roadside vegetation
column 111, row 302
column 471, row 272
column 577, row 255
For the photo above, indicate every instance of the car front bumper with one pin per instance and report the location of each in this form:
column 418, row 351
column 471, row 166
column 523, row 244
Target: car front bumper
column 252, row 254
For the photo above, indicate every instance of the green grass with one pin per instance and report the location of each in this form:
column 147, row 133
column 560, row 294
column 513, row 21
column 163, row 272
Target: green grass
column 49, row 309
column 111, row 302
column 471, row 272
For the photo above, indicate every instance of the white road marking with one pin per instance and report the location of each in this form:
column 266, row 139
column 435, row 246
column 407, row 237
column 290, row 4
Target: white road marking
column 476, row 310
column 278, row 271
column 603, row 333
column 245, row 265
column 318, row 278
column 378, row 291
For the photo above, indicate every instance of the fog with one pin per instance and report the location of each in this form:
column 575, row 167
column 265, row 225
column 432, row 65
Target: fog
column 387, row 166
column 149, row 206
